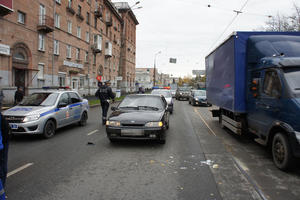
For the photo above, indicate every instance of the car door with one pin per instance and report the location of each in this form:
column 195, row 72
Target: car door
column 63, row 112
column 268, row 105
column 75, row 107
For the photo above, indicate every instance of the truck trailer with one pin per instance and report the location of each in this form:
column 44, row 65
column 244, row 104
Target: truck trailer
column 254, row 80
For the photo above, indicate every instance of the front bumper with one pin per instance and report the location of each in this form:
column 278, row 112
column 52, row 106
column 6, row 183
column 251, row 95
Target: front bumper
column 34, row 127
column 147, row 133
column 200, row 102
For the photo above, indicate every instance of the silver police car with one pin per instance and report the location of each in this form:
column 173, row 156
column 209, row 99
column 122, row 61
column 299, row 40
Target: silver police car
column 44, row 112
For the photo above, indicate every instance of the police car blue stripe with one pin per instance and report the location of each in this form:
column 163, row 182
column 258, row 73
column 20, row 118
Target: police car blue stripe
column 48, row 112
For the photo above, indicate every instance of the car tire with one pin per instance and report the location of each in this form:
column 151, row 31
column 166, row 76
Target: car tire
column 282, row 152
column 83, row 119
column 193, row 103
column 162, row 139
column 112, row 140
column 189, row 102
column 49, row 129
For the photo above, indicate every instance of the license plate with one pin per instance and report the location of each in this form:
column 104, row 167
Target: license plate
column 14, row 126
column 132, row 132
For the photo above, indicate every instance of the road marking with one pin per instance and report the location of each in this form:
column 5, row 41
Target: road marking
column 19, row 169
column 95, row 131
column 204, row 122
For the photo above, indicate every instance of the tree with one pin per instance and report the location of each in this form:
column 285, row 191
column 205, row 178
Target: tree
column 283, row 22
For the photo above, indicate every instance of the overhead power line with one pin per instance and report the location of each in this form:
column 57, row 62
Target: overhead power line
column 230, row 23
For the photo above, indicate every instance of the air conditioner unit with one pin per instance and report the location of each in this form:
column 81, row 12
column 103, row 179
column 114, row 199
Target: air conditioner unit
column 97, row 46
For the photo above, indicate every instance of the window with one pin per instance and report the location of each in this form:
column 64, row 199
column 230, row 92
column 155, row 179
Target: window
column 78, row 32
column 79, row 10
column 58, row 1
column 42, row 14
column 81, row 82
column 69, row 51
column 57, row 20
column 94, row 59
column 21, row 17
column 40, row 74
column 62, row 80
column 69, row 27
column 87, row 37
column 74, row 97
column 56, row 47
column 86, row 58
column 41, row 42
column 77, row 54
column 70, row 3
column 95, row 22
column 89, row 1
column 64, row 98
column 272, row 86
column 88, row 18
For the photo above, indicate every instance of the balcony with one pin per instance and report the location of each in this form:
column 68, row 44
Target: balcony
column 70, row 10
column 108, row 21
column 79, row 16
column 46, row 24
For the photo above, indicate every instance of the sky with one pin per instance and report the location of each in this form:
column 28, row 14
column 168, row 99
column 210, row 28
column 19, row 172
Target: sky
column 188, row 30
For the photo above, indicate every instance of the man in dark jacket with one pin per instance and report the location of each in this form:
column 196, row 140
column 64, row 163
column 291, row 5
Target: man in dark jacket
column 104, row 93
column 4, row 152
column 19, row 95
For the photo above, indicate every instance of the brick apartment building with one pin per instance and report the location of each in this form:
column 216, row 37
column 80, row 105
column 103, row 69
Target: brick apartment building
column 66, row 43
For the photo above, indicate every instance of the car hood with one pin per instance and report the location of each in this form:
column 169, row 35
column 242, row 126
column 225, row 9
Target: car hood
column 26, row 110
column 200, row 97
column 136, row 116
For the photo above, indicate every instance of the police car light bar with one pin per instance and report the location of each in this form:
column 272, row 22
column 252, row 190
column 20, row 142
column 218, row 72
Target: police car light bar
column 56, row 88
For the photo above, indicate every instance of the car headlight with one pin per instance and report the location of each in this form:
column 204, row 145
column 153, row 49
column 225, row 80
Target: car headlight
column 180, row 93
column 196, row 99
column 113, row 123
column 154, row 124
column 31, row 118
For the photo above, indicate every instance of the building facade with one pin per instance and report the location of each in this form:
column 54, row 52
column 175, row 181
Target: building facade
column 64, row 43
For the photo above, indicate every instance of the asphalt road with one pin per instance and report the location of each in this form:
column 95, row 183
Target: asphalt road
column 199, row 161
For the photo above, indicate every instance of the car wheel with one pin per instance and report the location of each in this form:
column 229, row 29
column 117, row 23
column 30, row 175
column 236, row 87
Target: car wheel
column 162, row 139
column 281, row 152
column 193, row 103
column 49, row 129
column 112, row 140
column 189, row 102
column 83, row 119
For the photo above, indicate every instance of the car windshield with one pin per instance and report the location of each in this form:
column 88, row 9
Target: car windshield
column 199, row 93
column 139, row 102
column 40, row 99
column 165, row 93
column 292, row 75
column 184, row 89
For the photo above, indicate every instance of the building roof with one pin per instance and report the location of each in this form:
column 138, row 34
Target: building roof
column 124, row 7
column 113, row 8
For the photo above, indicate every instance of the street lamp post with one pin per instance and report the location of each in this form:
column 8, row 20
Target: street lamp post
column 154, row 76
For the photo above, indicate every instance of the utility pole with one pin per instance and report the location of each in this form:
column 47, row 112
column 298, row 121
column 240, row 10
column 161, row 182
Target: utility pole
column 154, row 76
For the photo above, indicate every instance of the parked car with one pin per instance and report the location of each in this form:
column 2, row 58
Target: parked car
column 44, row 112
column 139, row 116
column 168, row 96
column 198, row 97
column 182, row 93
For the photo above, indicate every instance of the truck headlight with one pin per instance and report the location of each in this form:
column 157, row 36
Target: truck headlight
column 154, row 124
column 297, row 136
column 31, row 118
column 113, row 123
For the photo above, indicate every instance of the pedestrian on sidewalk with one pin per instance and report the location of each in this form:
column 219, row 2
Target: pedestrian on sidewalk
column 19, row 94
column 105, row 94
column 4, row 134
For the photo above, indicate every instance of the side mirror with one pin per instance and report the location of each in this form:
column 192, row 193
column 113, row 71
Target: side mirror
column 113, row 108
column 62, row 104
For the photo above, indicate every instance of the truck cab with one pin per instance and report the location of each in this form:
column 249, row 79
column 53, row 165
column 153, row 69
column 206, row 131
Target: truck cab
column 273, row 102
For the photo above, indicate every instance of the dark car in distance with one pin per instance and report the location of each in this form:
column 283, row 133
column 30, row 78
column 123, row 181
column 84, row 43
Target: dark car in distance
column 139, row 116
column 198, row 97
column 182, row 93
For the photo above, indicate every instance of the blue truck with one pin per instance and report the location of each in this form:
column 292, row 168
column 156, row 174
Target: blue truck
column 254, row 80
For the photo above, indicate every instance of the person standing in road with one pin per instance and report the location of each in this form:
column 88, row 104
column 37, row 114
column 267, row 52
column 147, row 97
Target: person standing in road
column 19, row 95
column 4, row 140
column 104, row 93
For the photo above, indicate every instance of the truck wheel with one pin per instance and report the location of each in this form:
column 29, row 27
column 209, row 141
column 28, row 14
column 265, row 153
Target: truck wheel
column 83, row 119
column 49, row 129
column 281, row 152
